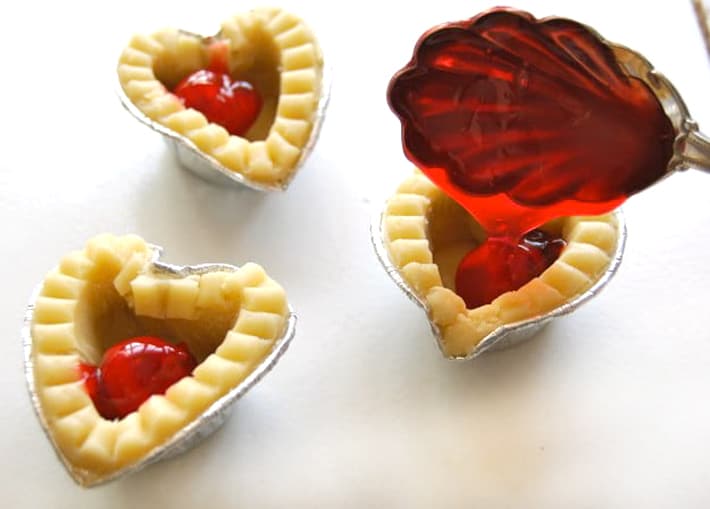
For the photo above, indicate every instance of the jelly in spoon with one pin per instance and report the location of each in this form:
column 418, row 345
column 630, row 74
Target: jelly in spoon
column 522, row 121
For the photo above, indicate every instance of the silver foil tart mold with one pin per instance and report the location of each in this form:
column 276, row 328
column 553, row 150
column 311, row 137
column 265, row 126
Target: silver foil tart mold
column 193, row 432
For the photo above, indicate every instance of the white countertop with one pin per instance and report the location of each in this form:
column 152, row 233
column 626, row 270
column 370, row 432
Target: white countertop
column 605, row 408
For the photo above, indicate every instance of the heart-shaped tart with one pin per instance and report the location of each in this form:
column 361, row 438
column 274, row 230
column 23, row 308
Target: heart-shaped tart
column 114, row 299
column 246, row 103
column 423, row 235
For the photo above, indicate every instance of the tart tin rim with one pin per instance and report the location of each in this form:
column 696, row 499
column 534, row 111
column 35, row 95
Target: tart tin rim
column 506, row 334
column 192, row 433
column 218, row 172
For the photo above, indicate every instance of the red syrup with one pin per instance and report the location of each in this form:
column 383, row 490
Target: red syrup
column 134, row 370
column 522, row 121
column 235, row 105
column 515, row 264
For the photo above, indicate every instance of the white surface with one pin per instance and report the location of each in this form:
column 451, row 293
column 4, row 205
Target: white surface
column 606, row 408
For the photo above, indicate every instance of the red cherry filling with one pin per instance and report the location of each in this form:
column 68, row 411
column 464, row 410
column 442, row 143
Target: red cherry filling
column 500, row 265
column 132, row 371
column 234, row 105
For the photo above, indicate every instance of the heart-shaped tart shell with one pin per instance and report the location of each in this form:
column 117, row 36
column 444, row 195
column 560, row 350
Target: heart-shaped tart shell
column 425, row 234
column 271, row 48
column 236, row 321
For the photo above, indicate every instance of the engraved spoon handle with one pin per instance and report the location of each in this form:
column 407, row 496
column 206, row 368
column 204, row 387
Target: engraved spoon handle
column 695, row 151
column 701, row 14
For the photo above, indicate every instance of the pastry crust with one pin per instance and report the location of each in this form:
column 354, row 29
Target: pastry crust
column 271, row 48
column 426, row 234
column 109, row 291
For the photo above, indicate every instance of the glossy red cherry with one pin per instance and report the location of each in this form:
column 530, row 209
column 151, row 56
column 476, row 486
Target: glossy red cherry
column 132, row 371
column 500, row 265
column 548, row 245
column 234, row 105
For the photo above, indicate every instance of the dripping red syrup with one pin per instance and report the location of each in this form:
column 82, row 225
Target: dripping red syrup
column 522, row 121
column 134, row 370
column 233, row 104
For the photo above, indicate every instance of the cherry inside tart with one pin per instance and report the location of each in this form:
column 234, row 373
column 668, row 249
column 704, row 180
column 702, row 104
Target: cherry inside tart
column 132, row 371
column 124, row 355
column 246, row 98
column 498, row 265
column 234, row 105
column 427, row 235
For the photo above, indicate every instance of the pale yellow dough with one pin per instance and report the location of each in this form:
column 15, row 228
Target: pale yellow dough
column 109, row 292
column 426, row 235
column 271, row 48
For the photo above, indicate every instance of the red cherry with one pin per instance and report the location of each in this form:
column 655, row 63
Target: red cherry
column 549, row 246
column 234, row 105
column 132, row 371
column 500, row 265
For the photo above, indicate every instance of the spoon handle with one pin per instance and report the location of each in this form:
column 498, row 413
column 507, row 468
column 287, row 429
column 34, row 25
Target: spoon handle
column 694, row 151
column 701, row 14
column 696, row 148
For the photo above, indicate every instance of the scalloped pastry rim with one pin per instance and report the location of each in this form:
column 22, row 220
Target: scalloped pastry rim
column 315, row 118
column 422, row 186
column 193, row 429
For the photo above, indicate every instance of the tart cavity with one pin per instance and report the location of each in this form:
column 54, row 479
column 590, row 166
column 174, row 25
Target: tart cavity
column 426, row 234
column 231, row 319
column 270, row 48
